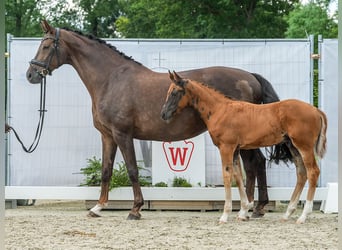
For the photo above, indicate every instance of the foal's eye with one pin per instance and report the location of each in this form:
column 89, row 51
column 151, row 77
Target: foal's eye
column 174, row 93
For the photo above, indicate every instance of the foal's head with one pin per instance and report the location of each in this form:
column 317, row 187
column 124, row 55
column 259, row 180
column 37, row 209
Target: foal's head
column 176, row 98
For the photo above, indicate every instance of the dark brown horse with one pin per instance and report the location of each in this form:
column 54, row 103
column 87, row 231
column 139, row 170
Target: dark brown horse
column 235, row 125
column 127, row 98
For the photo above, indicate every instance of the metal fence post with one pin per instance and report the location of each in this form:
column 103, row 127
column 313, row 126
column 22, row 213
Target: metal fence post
column 2, row 124
column 312, row 50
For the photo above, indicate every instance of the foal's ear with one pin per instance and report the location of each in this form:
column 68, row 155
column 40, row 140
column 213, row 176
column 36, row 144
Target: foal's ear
column 178, row 80
column 171, row 76
column 46, row 27
column 177, row 77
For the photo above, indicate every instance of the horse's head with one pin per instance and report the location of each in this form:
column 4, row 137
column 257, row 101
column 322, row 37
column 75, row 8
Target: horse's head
column 176, row 98
column 48, row 57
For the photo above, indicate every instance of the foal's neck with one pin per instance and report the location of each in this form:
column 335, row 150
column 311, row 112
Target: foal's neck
column 204, row 99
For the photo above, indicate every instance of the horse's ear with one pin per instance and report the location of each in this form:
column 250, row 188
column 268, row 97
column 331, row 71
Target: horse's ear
column 171, row 76
column 46, row 27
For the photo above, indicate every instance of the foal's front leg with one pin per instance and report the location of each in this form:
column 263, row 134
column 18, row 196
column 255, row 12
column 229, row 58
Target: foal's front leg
column 245, row 205
column 231, row 166
column 227, row 173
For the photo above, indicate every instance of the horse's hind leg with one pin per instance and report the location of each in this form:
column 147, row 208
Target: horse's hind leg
column 254, row 163
column 108, row 154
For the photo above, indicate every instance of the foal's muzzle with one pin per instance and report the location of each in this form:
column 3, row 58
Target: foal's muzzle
column 166, row 115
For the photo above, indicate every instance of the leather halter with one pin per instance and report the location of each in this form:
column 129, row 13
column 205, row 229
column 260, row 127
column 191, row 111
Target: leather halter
column 46, row 64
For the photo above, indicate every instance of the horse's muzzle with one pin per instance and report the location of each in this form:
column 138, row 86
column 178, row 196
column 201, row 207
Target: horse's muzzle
column 33, row 76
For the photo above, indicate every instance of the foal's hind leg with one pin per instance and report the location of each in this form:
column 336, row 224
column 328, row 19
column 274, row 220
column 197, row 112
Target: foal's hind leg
column 312, row 174
column 301, row 179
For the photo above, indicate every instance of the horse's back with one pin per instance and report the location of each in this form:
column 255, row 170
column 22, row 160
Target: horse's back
column 232, row 82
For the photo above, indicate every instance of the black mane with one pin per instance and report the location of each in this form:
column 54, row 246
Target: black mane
column 92, row 37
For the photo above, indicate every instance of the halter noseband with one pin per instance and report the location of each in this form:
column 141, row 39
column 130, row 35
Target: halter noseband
column 46, row 65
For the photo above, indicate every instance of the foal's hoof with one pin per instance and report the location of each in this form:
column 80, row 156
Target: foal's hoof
column 243, row 218
column 93, row 215
column 134, row 216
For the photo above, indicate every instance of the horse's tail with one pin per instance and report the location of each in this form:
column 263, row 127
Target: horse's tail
column 268, row 93
column 321, row 143
column 279, row 152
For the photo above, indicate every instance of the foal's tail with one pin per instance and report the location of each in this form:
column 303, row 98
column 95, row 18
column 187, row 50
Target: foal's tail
column 321, row 143
column 279, row 152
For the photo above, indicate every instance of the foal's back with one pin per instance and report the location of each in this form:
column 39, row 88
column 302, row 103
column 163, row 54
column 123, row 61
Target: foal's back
column 255, row 125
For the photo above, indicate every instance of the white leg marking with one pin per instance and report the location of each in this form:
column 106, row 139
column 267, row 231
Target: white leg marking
column 245, row 206
column 226, row 210
column 307, row 210
column 223, row 218
column 97, row 209
column 250, row 205
column 290, row 209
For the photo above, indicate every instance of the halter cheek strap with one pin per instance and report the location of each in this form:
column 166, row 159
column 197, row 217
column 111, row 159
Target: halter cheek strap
column 46, row 65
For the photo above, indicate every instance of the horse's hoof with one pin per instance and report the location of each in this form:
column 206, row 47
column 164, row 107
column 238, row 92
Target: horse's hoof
column 93, row 215
column 257, row 214
column 222, row 222
column 134, row 217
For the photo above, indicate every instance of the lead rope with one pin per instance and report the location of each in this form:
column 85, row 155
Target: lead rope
column 39, row 129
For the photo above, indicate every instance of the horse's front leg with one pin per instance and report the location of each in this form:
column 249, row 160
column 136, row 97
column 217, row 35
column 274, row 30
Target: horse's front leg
column 126, row 145
column 109, row 148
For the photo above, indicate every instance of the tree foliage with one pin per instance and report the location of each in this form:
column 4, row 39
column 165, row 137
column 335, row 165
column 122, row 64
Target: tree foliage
column 312, row 19
column 204, row 18
column 99, row 16
column 174, row 19
column 22, row 17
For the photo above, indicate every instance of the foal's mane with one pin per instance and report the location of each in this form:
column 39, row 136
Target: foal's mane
column 94, row 38
column 213, row 89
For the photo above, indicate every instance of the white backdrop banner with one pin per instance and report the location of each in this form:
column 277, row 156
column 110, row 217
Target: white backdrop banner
column 329, row 104
column 182, row 159
column 69, row 137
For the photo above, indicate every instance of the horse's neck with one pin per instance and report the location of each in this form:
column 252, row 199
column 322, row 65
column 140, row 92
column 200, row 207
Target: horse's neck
column 94, row 62
column 204, row 99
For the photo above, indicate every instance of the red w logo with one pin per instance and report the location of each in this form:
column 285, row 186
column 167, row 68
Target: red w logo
column 178, row 154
